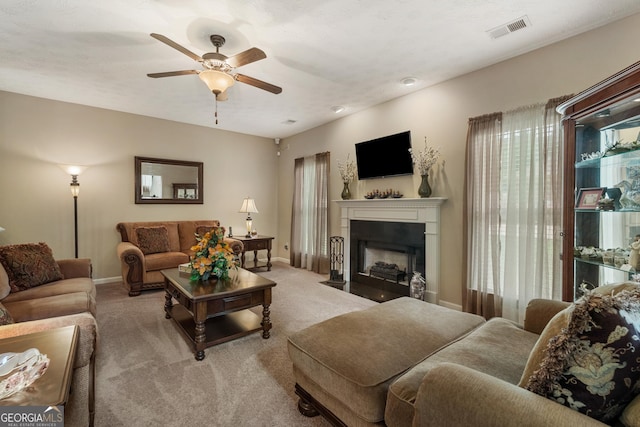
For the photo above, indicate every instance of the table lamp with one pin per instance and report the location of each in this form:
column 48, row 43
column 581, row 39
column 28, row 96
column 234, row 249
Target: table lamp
column 248, row 207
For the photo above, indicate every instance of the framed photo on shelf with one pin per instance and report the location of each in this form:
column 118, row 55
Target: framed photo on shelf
column 588, row 197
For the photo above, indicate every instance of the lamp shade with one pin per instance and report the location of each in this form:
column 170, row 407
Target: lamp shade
column 73, row 169
column 248, row 206
column 216, row 81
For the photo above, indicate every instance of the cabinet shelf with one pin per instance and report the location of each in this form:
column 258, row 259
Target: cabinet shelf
column 619, row 211
column 602, row 264
column 622, row 158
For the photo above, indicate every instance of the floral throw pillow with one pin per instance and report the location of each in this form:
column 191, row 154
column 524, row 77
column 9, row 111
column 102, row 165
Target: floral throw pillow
column 592, row 365
column 153, row 240
column 29, row 265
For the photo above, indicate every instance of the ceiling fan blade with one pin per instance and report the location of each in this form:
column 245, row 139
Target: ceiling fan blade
column 172, row 73
column 247, row 57
column 176, row 46
column 258, row 83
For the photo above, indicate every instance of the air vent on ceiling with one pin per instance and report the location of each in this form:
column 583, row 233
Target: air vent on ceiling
column 510, row 27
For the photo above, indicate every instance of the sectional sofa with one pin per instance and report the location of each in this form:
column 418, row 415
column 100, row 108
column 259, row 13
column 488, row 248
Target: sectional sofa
column 406, row 362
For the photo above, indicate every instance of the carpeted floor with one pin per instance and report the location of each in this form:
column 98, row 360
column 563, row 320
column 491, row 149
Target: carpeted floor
column 147, row 374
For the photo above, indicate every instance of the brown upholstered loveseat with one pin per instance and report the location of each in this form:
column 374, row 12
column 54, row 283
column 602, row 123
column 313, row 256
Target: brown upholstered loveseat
column 141, row 270
column 69, row 300
column 406, row 362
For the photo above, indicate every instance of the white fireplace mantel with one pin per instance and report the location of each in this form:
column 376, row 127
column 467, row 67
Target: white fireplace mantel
column 424, row 210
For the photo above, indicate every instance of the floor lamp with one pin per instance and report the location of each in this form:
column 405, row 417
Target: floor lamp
column 74, row 171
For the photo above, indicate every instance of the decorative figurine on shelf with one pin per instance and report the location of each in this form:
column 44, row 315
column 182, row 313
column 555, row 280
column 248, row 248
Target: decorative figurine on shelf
column 630, row 199
column 605, row 204
column 634, row 254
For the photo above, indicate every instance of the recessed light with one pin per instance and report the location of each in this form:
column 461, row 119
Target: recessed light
column 409, row 81
column 337, row 109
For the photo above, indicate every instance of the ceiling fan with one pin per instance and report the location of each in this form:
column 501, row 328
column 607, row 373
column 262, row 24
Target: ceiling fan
column 218, row 71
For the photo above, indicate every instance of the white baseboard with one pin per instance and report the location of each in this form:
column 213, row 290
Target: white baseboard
column 450, row 305
column 107, row 280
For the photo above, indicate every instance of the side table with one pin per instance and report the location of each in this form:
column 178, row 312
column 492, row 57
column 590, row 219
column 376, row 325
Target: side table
column 52, row 388
column 256, row 244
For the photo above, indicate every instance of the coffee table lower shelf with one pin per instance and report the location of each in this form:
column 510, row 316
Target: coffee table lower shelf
column 218, row 329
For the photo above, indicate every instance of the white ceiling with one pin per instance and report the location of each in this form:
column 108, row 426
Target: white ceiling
column 322, row 53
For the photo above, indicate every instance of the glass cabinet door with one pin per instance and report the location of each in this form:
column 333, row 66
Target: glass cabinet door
column 607, row 195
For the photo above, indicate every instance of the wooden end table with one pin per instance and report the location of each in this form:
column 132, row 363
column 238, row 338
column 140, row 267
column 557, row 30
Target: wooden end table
column 52, row 388
column 255, row 244
column 215, row 311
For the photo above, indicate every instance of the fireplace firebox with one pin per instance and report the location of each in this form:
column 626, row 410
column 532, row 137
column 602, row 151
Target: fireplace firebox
column 384, row 255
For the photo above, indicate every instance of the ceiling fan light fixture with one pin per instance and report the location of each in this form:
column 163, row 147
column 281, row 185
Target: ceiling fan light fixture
column 216, row 81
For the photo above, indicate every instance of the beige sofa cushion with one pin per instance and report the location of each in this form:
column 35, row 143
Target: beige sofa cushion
column 498, row 348
column 354, row 357
column 538, row 353
column 53, row 306
column 61, row 287
column 156, row 262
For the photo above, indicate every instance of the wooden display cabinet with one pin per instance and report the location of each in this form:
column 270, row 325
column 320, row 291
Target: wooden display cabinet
column 602, row 153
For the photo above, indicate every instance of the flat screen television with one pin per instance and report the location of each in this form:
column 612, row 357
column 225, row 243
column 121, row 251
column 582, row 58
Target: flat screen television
column 386, row 156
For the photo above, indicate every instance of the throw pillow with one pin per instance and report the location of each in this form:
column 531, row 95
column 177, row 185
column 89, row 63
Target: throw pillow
column 5, row 317
column 153, row 240
column 29, row 265
column 202, row 229
column 539, row 351
column 591, row 366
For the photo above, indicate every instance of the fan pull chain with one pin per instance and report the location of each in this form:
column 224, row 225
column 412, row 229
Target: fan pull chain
column 216, row 113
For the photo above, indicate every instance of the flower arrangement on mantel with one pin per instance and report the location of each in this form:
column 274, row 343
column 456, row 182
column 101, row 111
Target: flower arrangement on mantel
column 213, row 256
column 425, row 159
column 347, row 170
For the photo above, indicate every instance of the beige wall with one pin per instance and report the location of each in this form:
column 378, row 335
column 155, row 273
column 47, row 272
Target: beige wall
column 441, row 113
column 37, row 134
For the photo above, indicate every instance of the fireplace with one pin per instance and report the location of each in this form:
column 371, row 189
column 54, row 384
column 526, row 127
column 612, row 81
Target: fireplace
column 400, row 236
column 384, row 255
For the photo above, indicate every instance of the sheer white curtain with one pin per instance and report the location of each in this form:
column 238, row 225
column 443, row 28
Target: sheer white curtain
column 482, row 215
column 309, row 215
column 522, row 233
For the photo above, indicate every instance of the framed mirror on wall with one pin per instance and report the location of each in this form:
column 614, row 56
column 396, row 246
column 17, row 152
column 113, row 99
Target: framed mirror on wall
column 168, row 181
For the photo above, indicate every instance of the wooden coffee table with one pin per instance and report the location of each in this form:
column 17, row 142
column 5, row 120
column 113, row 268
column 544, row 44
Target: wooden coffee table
column 216, row 311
